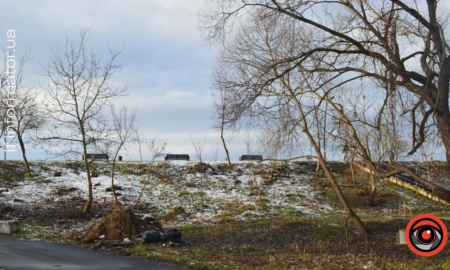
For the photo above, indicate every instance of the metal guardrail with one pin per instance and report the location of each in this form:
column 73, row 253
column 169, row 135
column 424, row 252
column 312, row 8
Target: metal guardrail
column 407, row 178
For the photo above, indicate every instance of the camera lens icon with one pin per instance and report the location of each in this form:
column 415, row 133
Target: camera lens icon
column 426, row 235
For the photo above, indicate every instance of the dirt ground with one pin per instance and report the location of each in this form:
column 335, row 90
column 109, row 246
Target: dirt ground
column 271, row 243
column 298, row 244
column 275, row 244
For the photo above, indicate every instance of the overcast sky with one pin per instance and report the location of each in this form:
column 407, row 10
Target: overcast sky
column 166, row 60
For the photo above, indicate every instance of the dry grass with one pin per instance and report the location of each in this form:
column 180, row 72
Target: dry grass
column 116, row 226
column 178, row 210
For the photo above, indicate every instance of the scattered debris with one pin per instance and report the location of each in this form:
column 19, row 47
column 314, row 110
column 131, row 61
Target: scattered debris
column 116, row 187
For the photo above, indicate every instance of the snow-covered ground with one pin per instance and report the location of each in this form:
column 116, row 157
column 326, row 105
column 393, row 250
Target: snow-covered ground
column 175, row 183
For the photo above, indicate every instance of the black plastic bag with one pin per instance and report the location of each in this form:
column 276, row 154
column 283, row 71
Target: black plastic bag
column 172, row 235
column 151, row 236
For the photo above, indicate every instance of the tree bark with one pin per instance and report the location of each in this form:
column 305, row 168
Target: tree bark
column 87, row 207
column 225, row 147
column 353, row 171
column 372, row 179
column 359, row 224
column 271, row 171
column 112, row 180
column 22, row 147
column 318, row 144
column 443, row 123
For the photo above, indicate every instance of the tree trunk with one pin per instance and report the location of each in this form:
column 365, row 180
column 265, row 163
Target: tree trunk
column 146, row 182
column 225, row 147
column 443, row 123
column 87, row 207
column 271, row 171
column 112, row 179
column 201, row 183
column 372, row 179
column 22, row 147
column 353, row 171
column 318, row 144
column 359, row 224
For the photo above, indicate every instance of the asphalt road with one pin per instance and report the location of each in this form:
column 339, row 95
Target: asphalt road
column 35, row 255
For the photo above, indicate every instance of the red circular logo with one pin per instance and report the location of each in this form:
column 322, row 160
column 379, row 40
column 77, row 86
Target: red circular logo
column 426, row 235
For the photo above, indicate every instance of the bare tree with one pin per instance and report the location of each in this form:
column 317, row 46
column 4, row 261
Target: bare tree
column 250, row 150
column 259, row 91
column 123, row 126
column 22, row 112
column 249, row 142
column 271, row 147
column 198, row 146
column 219, row 117
column 428, row 149
column 79, row 88
column 386, row 33
column 156, row 150
column 138, row 136
column 215, row 151
column 30, row 119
